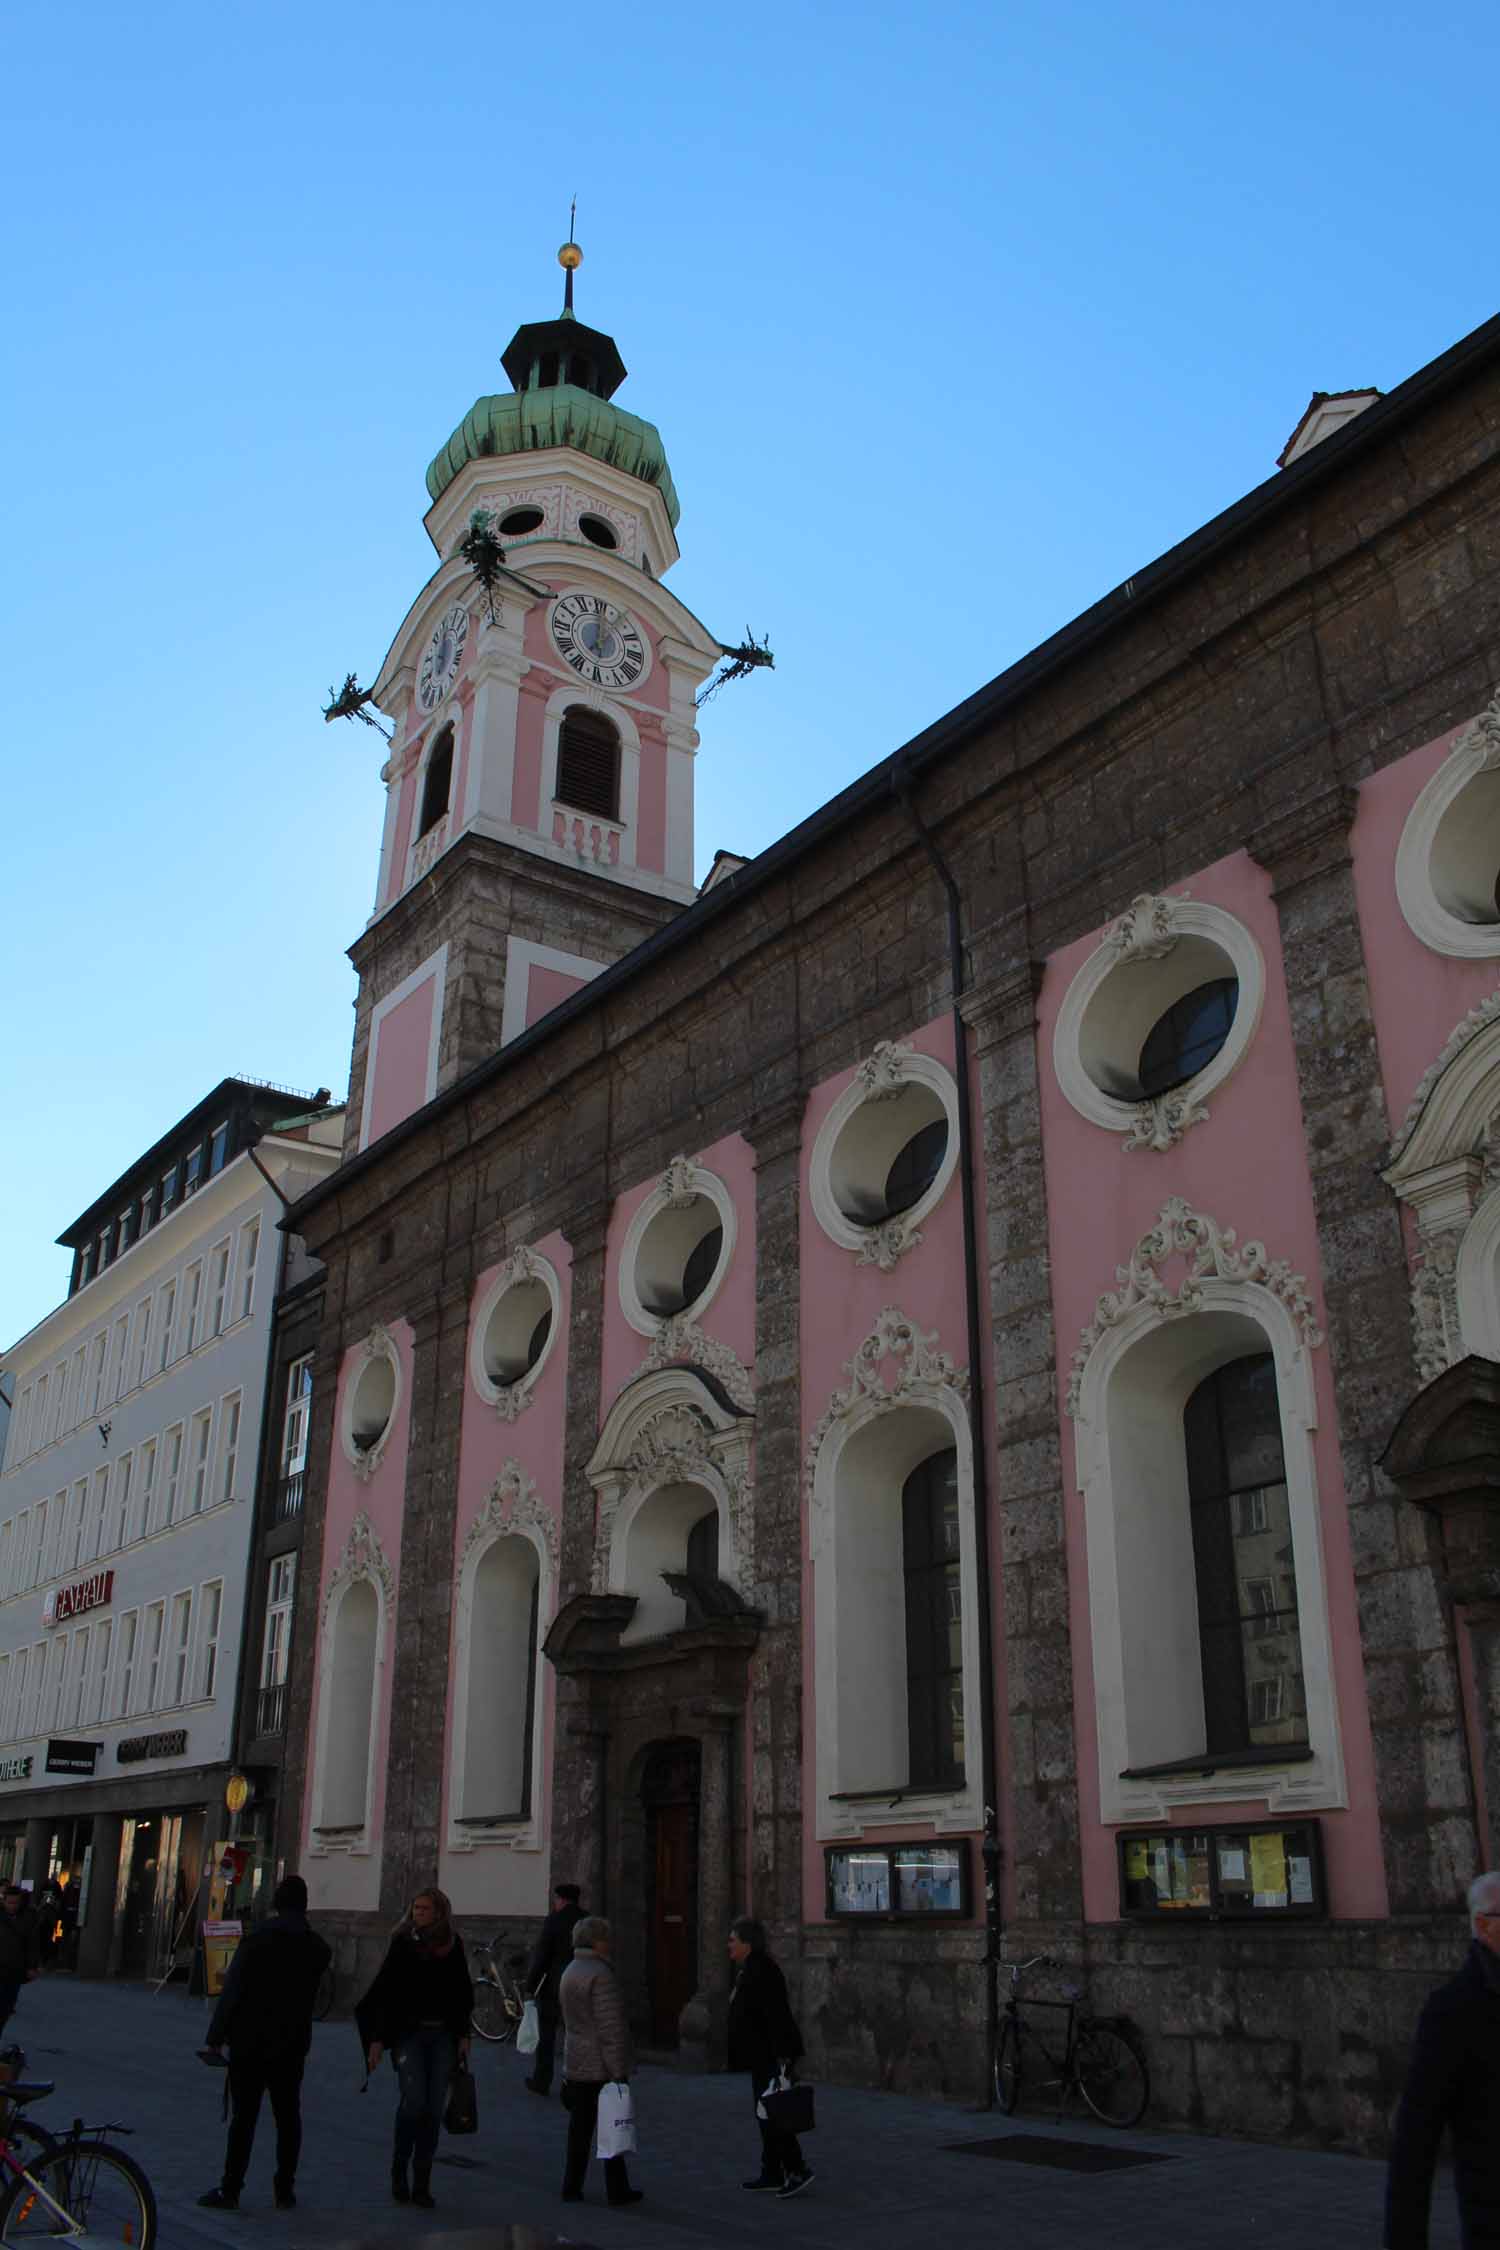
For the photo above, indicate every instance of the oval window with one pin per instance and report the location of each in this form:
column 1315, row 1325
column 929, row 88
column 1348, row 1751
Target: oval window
column 1185, row 1040
column 372, row 1405
column 597, row 531
column 518, row 521
column 679, row 1256
column 916, row 1166
column 516, row 1332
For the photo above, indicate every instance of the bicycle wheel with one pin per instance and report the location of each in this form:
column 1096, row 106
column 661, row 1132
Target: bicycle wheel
column 489, row 2016
column 1112, row 2074
column 1009, row 2069
column 323, row 1998
column 100, row 2188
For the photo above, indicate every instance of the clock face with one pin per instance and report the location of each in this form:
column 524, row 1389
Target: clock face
column 444, row 653
column 602, row 644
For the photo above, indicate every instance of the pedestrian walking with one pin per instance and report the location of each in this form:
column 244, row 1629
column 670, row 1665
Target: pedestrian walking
column 550, row 1956
column 20, row 1949
column 764, row 2040
column 1453, row 2082
column 596, row 2051
column 418, row 2008
column 264, row 2016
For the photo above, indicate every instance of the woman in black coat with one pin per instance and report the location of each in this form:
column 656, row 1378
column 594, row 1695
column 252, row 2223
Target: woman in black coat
column 763, row 2036
column 419, row 2007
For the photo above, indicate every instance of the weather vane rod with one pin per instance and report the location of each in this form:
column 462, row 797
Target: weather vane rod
column 570, row 257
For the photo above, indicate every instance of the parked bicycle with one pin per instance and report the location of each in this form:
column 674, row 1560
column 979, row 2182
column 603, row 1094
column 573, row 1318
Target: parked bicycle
column 78, row 2188
column 1100, row 2057
column 499, row 1995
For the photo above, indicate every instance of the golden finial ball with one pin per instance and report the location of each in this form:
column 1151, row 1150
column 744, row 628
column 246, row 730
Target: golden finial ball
column 570, row 256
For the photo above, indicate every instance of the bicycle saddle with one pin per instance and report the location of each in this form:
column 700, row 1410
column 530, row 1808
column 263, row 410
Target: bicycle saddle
column 21, row 2090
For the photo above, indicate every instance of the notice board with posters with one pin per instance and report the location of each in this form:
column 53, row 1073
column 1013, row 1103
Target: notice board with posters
column 1258, row 1871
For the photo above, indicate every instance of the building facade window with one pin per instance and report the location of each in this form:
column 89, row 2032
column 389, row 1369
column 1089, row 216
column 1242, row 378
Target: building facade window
column 218, row 1288
column 1246, row 1580
column 208, row 1647
column 147, row 1496
column 349, row 1695
column 498, row 1667
column 192, row 1172
column 229, row 1445
column 934, row 1624
column 588, row 763
column 172, row 1479
column 141, row 1358
column 249, row 1253
column 155, row 1621
column 78, row 1659
column 276, row 1642
column 96, row 1373
column 168, row 1321
column 191, row 1303
column 121, row 1701
column 98, row 1673
column 167, row 1191
column 198, row 1462
column 218, row 1148
column 181, row 1646
column 124, row 1477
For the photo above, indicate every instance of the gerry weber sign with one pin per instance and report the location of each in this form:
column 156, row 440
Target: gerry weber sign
column 83, row 1594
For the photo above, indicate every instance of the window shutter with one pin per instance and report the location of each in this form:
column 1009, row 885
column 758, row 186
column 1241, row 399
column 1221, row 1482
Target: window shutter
column 588, row 764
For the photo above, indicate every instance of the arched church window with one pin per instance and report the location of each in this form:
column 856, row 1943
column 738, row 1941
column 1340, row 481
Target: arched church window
column 438, row 782
column 703, row 1547
column 501, row 1701
column 934, row 1623
column 588, row 763
column 1248, row 1638
column 349, row 1686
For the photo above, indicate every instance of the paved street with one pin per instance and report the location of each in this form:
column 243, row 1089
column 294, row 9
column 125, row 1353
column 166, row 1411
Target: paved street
column 888, row 2174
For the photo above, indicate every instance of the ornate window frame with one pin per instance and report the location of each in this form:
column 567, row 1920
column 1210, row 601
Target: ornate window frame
column 1475, row 753
column 1258, row 1294
column 897, row 1368
column 380, row 1344
column 511, row 1399
column 1127, row 958
column 512, row 1509
column 361, row 1561
column 683, row 1181
column 889, row 1068
column 668, row 1428
column 1445, row 1167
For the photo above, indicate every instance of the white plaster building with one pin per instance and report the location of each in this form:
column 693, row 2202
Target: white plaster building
column 126, row 1505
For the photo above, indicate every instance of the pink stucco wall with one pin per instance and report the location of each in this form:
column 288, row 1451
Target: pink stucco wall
column 526, row 781
column 1246, row 1167
column 337, row 1879
column 730, row 1317
column 841, row 1303
column 1417, row 996
column 402, row 1043
column 651, row 811
column 406, row 813
column 545, row 988
column 534, row 1440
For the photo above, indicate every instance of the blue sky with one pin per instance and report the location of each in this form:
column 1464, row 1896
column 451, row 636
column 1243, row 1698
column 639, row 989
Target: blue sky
column 950, row 318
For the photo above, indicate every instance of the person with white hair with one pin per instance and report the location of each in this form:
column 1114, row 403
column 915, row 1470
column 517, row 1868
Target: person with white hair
column 1453, row 2085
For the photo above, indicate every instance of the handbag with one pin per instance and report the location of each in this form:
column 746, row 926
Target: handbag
column 787, row 2105
column 462, row 2112
column 616, row 2129
column 529, row 2037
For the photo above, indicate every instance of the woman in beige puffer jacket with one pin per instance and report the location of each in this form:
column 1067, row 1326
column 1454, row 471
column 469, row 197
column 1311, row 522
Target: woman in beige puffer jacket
column 596, row 2049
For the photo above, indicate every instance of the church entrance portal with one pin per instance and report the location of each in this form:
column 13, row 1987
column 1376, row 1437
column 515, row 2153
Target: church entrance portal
column 670, row 1786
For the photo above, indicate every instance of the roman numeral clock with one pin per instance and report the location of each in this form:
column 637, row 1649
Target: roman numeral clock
column 602, row 644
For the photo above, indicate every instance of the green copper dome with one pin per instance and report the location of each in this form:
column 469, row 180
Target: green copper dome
column 543, row 410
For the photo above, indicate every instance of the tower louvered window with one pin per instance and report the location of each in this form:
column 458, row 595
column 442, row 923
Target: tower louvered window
column 588, row 764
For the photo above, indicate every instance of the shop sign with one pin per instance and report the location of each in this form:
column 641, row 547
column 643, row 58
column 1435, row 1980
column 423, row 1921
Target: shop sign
column 72, row 1757
column 84, row 1594
column 15, row 1769
column 172, row 1743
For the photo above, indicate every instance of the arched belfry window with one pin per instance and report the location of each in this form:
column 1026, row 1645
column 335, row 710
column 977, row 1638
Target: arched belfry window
column 1248, row 1635
column 934, row 1624
column 438, row 784
column 588, row 763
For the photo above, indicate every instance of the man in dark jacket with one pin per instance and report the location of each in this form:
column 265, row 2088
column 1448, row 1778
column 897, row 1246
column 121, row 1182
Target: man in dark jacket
column 265, row 2016
column 20, row 1949
column 552, row 1953
column 1454, row 2082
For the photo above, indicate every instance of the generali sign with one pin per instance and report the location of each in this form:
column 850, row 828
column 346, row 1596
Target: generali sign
column 84, row 1594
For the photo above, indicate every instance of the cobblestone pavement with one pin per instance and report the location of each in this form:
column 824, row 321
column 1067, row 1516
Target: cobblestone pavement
column 888, row 2171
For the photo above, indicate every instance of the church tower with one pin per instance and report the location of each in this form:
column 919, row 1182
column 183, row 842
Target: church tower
column 539, row 787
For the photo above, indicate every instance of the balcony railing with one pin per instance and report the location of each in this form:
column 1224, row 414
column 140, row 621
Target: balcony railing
column 270, row 1710
column 427, row 848
column 288, row 1497
column 590, row 838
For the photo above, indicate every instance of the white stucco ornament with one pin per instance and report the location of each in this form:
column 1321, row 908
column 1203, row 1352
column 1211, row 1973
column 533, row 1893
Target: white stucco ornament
column 896, row 1360
column 882, row 1076
column 1445, row 860
column 1209, row 1249
column 361, row 1556
column 1146, row 931
column 512, row 1504
column 680, row 1341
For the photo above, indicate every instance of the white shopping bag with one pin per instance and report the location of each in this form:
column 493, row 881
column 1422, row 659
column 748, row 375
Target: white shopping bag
column 616, row 2120
column 529, row 2037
